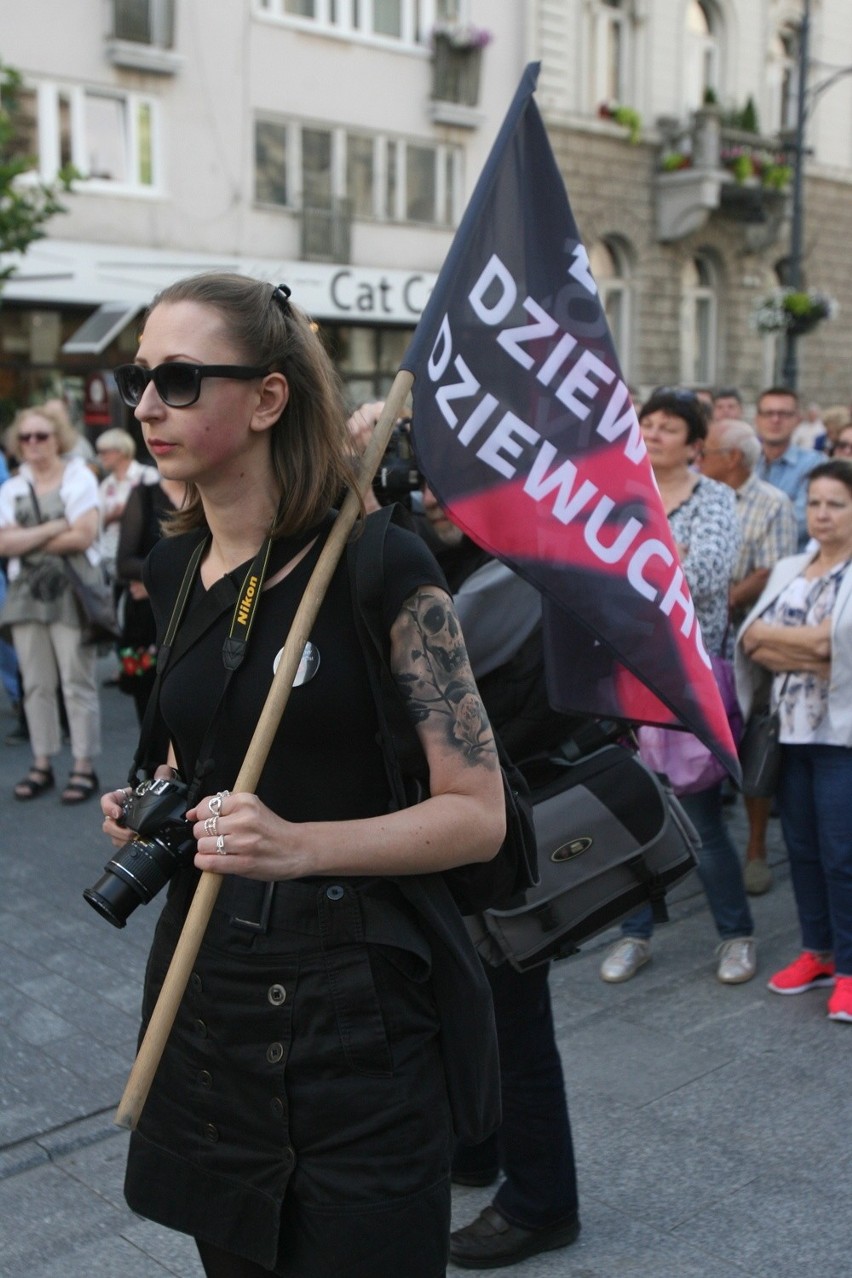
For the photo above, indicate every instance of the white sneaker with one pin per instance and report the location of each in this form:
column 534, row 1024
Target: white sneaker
column 625, row 958
column 737, row 960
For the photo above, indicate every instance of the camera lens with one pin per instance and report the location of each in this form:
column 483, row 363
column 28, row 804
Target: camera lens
column 137, row 873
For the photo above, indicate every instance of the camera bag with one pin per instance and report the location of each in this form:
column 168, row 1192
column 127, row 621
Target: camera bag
column 611, row 838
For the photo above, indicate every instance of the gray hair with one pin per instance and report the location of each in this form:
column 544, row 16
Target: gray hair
column 121, row 440
column 732, row 433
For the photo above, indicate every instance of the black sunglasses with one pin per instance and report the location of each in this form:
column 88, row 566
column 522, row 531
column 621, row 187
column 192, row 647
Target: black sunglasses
column 178, row 385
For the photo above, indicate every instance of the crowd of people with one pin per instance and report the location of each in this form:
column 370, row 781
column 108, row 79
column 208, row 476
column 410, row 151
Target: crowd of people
column 342, row 1055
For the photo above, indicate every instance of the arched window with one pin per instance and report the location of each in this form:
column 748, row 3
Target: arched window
column 699, row 321
column 610, row 53
column 610, row 266
column 702, row 53
column 782, row 75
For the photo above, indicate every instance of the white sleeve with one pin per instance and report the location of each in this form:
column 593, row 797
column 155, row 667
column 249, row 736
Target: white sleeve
column 79, row 490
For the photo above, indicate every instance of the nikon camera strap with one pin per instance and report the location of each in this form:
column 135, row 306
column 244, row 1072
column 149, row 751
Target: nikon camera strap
column 233, row 655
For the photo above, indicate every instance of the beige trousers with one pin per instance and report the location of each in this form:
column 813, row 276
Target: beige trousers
column 50, row 656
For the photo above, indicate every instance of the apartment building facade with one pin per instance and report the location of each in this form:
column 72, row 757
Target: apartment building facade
column 334, row 143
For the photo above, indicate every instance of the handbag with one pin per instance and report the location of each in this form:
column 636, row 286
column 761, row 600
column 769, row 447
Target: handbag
column 760, row 750
column 687, row 762
column 611, row 838
column 96, row 607
column 760, row 754
column 94, row 599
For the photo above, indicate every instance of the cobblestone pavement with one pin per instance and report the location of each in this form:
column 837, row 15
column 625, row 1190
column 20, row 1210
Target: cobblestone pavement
column 710, row 1121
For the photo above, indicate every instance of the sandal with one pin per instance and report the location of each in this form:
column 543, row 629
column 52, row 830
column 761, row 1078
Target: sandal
column 81, row 786
column 34, row 783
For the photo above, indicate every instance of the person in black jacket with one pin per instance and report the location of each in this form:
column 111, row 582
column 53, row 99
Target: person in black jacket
column 535, row 1208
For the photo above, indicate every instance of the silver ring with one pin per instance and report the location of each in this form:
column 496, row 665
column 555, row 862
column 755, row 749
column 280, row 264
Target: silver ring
column 220, row 845
column 211, row 826
column 215, row 804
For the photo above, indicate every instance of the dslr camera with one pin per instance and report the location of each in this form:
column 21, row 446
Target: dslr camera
column 156, row 812
column 397, row 476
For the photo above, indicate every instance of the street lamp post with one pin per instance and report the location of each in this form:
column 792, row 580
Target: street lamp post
column 790, row 370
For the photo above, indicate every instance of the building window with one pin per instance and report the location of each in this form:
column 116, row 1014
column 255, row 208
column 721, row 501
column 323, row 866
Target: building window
column 406, row 21
column 702, row 61
column 610, row 267
column 609, row 52
column 699, row 321
column 144, row 21
column 108, row 136
column 377, row 177
column 782, row 75
column 270, row 163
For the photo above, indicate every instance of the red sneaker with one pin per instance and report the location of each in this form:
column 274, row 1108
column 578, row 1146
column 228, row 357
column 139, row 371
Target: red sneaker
column 840, row 1003
column 807, row 972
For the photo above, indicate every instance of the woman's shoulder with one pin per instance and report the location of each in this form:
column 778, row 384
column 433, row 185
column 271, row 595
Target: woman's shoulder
column 711, row 493
column 168, row 560
column 79, row 475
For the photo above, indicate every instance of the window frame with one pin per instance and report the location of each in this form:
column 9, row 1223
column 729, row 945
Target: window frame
column 605, row 20
column 50, row 95
column 699, row 367
column 336, row 18
column 389, row 185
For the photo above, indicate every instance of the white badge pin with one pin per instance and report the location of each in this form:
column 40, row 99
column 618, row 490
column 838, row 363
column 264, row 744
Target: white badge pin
column 308, row 666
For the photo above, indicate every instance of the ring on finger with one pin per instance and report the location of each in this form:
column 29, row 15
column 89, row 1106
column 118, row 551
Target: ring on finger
column 215, row 804
column 220, row 845
column 211, row 826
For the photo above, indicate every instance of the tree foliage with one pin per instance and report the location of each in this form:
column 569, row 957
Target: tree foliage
column 25, row 207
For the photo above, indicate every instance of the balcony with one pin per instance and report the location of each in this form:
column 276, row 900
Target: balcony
column 327, row 232
column 142, row 36
column 456, row 72
column 710, row 168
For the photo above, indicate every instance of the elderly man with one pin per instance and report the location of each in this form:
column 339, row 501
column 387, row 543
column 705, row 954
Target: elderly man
column 768, row 529
column 782, row 463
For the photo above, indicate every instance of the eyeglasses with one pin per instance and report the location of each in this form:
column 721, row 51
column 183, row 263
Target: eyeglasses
column 178, row 385
column 777, row 412
column 846, row 449
column 35, row 436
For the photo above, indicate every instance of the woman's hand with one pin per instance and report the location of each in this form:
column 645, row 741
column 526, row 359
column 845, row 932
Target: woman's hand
column 251, row 839
column 136, row 590
column 112, row 806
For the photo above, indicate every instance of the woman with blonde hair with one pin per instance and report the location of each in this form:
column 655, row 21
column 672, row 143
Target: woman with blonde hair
column 49, row 515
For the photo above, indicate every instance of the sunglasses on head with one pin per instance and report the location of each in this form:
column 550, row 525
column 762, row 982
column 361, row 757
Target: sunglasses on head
column 178, row 385
column 675, row 392
column 35, row 436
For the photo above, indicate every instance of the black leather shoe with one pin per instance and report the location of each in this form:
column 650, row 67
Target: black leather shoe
column 491, row 1241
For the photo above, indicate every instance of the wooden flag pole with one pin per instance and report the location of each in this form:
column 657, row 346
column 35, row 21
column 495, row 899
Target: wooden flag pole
column 186, row 951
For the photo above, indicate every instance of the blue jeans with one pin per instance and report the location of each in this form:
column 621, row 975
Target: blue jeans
column 815, row 803
column 719, row 870
column 533, row 1145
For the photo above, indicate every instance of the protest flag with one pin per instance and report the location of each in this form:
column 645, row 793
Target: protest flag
column 526, row 433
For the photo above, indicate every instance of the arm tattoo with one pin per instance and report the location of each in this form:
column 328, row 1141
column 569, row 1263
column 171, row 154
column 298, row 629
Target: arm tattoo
column 435, row 678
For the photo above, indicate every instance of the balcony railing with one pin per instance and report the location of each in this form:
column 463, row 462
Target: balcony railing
column 705, row 167
column 327, row 232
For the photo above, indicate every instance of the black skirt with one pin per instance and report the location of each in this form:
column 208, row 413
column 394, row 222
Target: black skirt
column 300, row 1117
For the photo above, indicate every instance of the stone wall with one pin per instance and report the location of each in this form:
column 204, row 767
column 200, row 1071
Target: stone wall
column 610, row 186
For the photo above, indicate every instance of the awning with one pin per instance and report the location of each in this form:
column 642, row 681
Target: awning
column 98, row 331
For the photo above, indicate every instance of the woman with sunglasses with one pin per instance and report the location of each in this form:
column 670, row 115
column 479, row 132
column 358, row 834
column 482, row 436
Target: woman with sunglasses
column 299, row 1122
column 49, row 514
column 842, row 446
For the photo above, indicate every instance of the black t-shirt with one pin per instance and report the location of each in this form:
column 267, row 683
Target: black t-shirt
column 325, row 763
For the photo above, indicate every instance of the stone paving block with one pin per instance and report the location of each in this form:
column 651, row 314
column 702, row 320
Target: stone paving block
column 784, row 1224
column 105, row 1023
